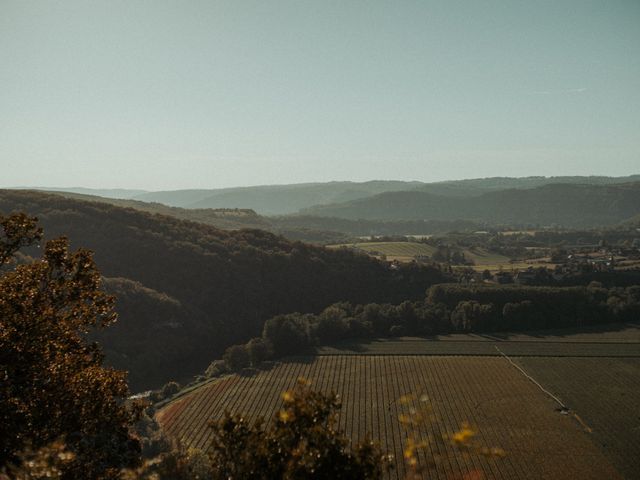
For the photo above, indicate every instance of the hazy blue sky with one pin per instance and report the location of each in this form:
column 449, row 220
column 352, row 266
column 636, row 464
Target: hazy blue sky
column 159, row 94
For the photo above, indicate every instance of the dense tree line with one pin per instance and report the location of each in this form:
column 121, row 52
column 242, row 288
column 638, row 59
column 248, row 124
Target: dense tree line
column 224, row 284
column 539, row 307
column 447, row 308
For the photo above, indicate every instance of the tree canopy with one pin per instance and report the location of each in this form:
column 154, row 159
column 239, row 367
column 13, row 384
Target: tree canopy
column 54, row 387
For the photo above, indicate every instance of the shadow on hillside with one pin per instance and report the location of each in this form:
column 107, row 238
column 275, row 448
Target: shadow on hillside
column 270, row 365
column 263, row 367
column 306, row 359
column 630, row 333
column 351, row 345
column 565, row 333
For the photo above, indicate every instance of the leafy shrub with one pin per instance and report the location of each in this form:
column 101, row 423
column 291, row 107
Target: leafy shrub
column 471, row 316
column 46, row 463
column 170, row 389
column 302, row 443
column 397, row 331
column 380, row 317
column 236, row 357
column 258, row 350
column 176, row 464
column 216, row 368
column 287, row 333
column 331, row 324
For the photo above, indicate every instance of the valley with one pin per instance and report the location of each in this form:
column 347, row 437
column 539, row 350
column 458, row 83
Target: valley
column 519, row 334
column 296, row 240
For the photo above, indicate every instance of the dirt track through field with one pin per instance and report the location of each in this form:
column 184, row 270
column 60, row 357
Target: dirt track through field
column 605, row 393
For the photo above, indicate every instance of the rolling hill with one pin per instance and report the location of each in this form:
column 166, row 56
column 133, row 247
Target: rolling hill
column 295, row 227
column 478, row 186
column 562, row 204
column 275, row 199
column 358, row 227
column 189, row 290
column 120, row 193
column 224, row 218
column 286, row 199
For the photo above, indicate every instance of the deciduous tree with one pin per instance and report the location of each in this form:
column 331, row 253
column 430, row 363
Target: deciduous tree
column 53, row 385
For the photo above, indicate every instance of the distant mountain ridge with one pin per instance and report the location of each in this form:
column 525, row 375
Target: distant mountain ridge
column 276, row 199
column 120, row 193
column 478, row 186
column 570, row 205
column 310, row 229
column 266, row 206
column 290, row 198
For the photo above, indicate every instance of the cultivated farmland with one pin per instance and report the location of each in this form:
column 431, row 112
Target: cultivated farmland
column 408, row 251
column 604, row 391
column 598, row 437
column 481, row 257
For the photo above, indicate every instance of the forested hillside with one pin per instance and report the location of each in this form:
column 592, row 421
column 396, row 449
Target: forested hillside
column 306, row 228
column 290, row 198
column 478, row 186
column 189, row 290
column 116, row 193
column 224, row 218
column 562, row 204
column 289, row 225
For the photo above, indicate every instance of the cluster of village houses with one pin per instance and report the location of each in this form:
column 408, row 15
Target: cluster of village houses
column 578, row 259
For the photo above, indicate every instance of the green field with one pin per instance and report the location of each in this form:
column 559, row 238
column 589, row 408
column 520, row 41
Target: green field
column 465, row 379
